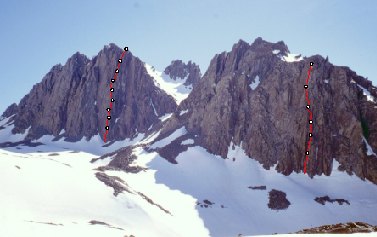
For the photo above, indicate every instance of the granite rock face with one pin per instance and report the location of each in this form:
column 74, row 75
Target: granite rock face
column 74, row 97
column 178, row 69
column 252, row 97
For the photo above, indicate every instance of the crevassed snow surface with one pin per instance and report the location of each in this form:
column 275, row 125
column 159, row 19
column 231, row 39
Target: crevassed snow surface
column 253, row 85
column 175, row 88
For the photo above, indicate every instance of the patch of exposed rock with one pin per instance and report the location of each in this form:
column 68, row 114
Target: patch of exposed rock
column 120, row 186
column 114, row 182
column 179, row 70
column 324, row 199
column 123, row 160
column 262, row 187
column 341, row 228
column 21, row 143
column 278, row 200
column 206, row 203
column 174, row 148
column 95, row 222
column 46, row 223
column 150, row 201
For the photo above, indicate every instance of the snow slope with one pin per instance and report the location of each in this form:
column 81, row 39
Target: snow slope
column 238, row 209
column 369, row 148
column 367, row 94
column 225, row 182
column 93, row 145
column 57, row 194
column 170, row 138
column 6, row 133
column 292, row 58
column 175, row 88
column 54, row 192
column 253, row 85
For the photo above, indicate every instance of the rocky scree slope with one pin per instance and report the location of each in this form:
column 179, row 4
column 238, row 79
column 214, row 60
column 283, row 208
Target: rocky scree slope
column 254, row 96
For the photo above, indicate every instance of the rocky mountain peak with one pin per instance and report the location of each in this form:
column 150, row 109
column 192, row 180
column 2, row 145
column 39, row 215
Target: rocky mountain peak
column 254, row 97
column 12, row 109
column 264, row 46
column 241, row 45
column 110, row 49
column 180, row 70
column 71, row 100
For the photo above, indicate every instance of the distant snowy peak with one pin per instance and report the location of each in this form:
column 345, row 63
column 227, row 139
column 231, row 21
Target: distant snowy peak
column 177, row 88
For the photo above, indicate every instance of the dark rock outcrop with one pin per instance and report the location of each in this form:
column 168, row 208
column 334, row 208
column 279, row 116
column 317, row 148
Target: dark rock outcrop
column 341, row 228
column 278, row 200
column 206, row 203
column 262, row 187
column 12, row 109
column 95, row 222
column 178, row 69
column 114, row 182
column 74, row 97
column 123, row 160
column 270, row 118
column 324, row 199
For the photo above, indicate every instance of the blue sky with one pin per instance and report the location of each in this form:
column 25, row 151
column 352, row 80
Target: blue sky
column 35, row 35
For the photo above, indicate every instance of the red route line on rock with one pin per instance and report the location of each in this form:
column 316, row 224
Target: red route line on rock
column 310, row 117
column 108, row 117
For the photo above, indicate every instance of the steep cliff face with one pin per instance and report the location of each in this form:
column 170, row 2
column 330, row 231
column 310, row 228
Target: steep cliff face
column 254, row 96
column 72, row 99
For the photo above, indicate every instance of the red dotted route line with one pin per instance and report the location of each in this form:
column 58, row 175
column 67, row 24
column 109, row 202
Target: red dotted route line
column 308, row 106
column 112, row 81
